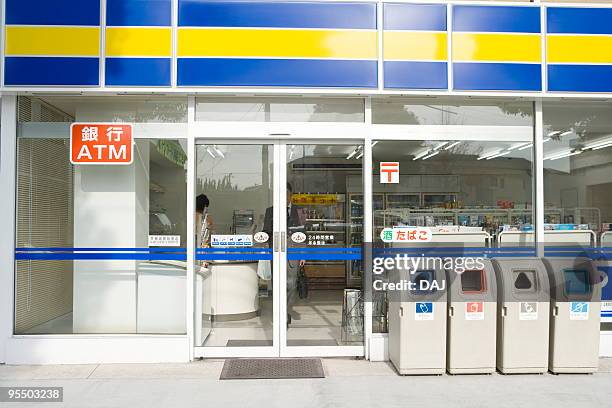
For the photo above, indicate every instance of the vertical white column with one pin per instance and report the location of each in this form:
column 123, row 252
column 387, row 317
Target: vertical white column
column 191, row 193
column 538, row 159
column 8, row 148
column 367, row 227
column 280, row 203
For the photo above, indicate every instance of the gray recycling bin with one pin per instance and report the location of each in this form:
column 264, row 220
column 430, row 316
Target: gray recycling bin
column 417, row 322
column 575, row 315
column 472, row 312
column 523, row 315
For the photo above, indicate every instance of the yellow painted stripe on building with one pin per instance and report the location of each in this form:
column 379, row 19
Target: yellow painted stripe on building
column 219, row 42
column 138, row 41
column 497, row 47
column 56, row 41
column 415, row 46
column 579, row 49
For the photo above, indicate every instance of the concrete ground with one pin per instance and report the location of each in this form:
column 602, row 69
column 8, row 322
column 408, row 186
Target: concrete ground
column 348, row 383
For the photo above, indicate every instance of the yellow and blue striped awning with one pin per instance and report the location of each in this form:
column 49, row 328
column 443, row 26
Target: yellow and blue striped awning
column 415, row 44
column 579, row 49
column 320, row 44
column 496, row 48
column 304, row 44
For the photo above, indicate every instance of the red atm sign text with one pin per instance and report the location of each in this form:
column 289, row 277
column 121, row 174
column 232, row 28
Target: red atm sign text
column 96, row 143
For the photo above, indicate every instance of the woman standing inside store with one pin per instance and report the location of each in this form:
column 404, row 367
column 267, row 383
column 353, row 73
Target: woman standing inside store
column 203, row 221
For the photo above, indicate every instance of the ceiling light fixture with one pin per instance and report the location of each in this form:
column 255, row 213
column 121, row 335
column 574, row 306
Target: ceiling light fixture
column 353, row 153
column 422, row 154
column 432, row 154
column 499, row 155
column 527, row 146
column 209, row 150
column 218, row 151
column 450, row 146
column 440, row 145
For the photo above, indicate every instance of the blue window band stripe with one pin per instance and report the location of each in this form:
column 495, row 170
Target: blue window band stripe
column 225, row 250
column 70, row 249
column 31, row 256
column 138, row 71
column 430, row 17
column 580, row 78
column 415, row 75
column 206, row 13
column 573, row 20
column 507, row 19
column 51, row 71
column 234, row 257
column 324, row 257
column 138, row 12
column 314, row 249
column 56, row 12
column 276, row 72
column 497, row 77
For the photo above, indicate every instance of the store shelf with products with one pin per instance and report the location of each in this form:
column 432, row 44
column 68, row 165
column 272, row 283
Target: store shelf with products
column 324, row 218
column 355, row 233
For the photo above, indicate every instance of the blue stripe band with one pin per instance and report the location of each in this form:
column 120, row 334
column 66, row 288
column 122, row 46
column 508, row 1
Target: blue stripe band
column 30, row 256
column 242, row 250
column 206, row 13
column 234, row 257
column 430, row 17
column 276, row 72
column 138, row 12
column 84, row 249
column 51, row 71
column 138, row 71
column 56, row 12
column 497, row 77
column 416, row 75
column 323, row 257
column 317, row 250
column 506, row 19
column 580, row 78
column 572, row 20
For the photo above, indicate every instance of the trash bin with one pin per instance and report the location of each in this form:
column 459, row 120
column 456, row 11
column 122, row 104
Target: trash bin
column 417, row 321
column 575, row 314
column 472, row 312
column 523, row 315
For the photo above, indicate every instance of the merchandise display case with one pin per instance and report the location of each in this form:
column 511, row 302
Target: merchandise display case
column 324, row 226
column 355, row 233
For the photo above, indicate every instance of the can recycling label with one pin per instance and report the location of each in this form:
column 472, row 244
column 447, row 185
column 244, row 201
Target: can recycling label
column 528, row 311
column 579, row 310
column 423, row 311
column 474, row 311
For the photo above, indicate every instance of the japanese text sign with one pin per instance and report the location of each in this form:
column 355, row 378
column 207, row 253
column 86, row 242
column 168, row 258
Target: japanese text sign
column 99, row 143
column 406, row 234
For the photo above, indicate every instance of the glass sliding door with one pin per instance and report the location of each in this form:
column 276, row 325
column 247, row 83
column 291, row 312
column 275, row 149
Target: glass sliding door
column 234, row 225
column 322, row 222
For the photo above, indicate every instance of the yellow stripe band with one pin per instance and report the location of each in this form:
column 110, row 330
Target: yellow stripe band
column 585, row 49
column 469, row 47
column 53, row 41
column 138, row 41
column 220, row 42
column 415, row 45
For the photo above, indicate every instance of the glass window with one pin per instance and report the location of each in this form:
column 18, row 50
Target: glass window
column 447, row 111
column 100, row 249
column 280, row 110
column 578, row 172
column 467, row 192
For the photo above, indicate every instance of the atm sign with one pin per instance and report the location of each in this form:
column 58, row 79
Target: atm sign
column 98, row 143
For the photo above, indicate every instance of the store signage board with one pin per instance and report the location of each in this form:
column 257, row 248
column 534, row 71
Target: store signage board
column 164, row 240
column 389, row 173
column 101, row 143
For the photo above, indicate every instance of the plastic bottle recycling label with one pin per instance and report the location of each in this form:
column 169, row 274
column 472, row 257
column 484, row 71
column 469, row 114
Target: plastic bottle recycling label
column 474, row 311
column 579, row 311
column 528, row 311
column 423, row 311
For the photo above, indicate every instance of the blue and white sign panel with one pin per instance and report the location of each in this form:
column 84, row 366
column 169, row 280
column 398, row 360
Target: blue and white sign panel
column 423, row 311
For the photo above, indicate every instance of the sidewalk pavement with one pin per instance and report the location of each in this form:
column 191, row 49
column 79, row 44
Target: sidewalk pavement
column 348, row 383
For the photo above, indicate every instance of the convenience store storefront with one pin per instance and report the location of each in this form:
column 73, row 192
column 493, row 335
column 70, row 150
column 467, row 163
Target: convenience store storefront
column 281, row 114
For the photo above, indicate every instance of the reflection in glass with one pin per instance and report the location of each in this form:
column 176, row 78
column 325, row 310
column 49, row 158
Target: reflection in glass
column 578, row 172
column 446, row 111
column 324, row 271
column 234, row 283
